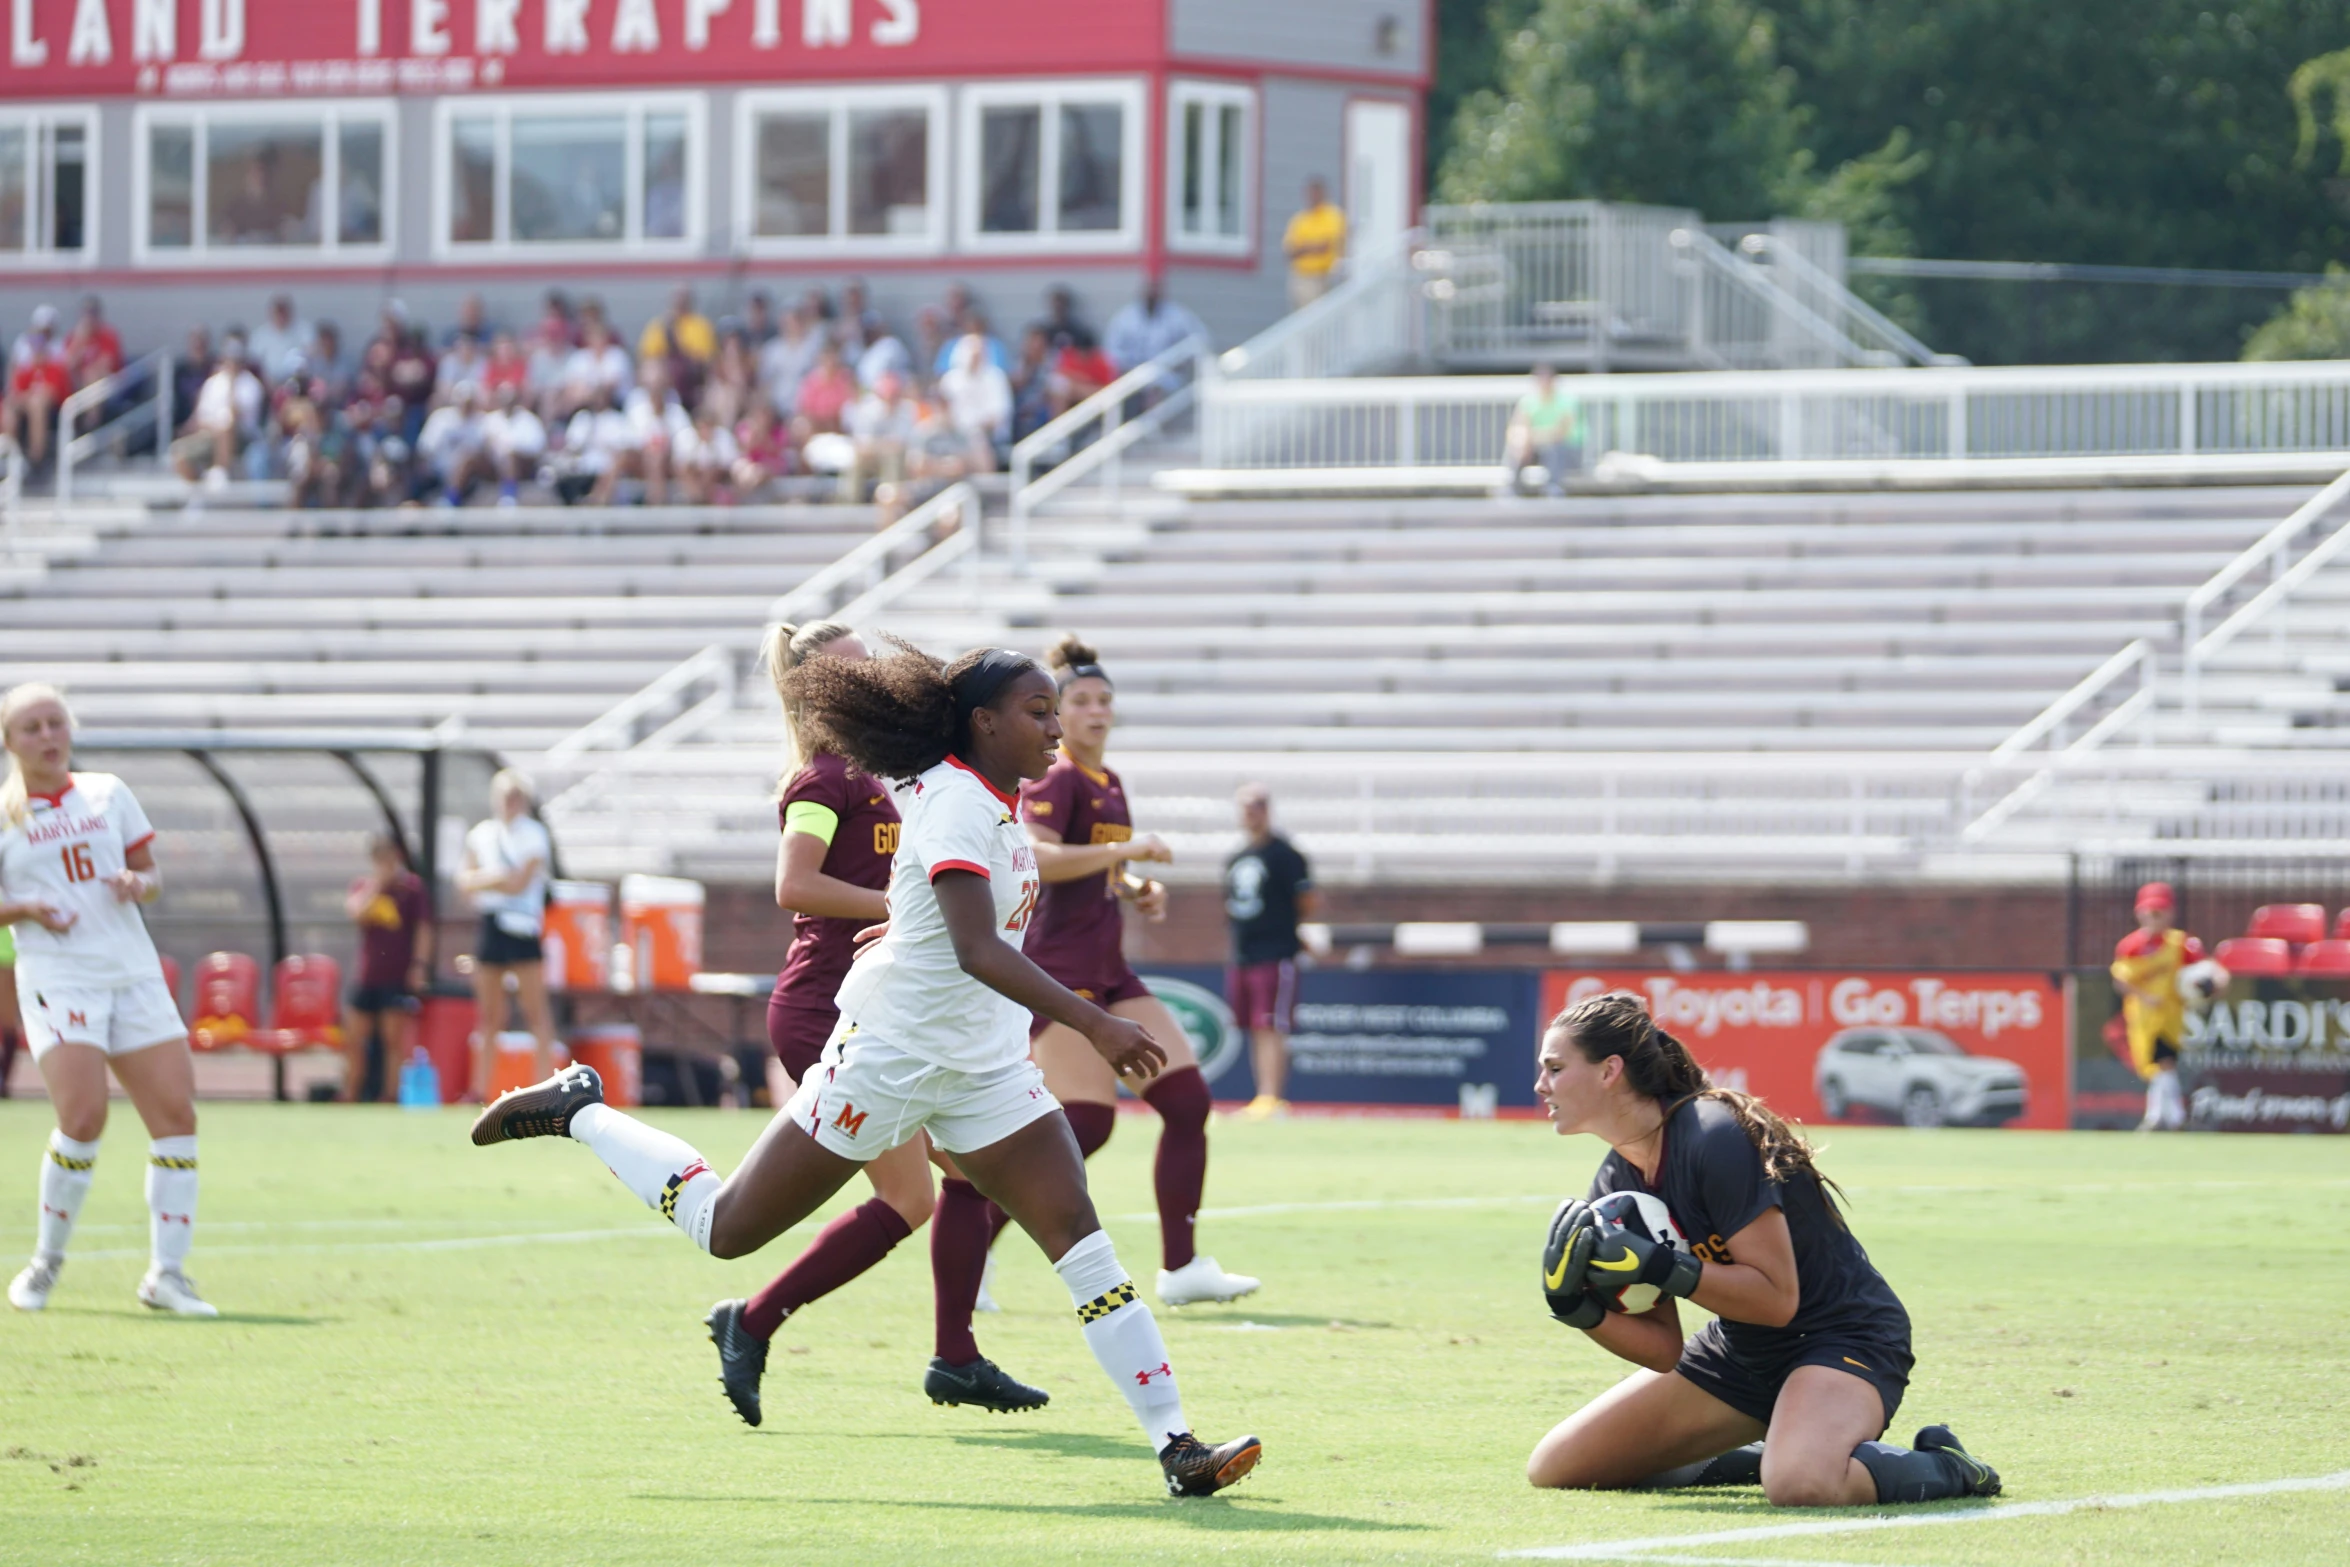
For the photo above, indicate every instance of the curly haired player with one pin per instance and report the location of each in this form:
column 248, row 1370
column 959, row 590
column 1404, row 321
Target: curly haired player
column 1810, row 1347
column 1084, row 834
column 933, row 1032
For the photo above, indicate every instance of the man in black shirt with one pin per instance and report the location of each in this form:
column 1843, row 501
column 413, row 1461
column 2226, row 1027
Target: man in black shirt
column 1268, row 888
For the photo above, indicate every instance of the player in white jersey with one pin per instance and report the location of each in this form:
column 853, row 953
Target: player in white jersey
column 933, row 1031
column 77, row 858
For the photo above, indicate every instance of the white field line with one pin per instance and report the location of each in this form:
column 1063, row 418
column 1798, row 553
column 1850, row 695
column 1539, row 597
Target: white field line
column 1254, row 1211
column 1640, row 1550
column 442, row 1243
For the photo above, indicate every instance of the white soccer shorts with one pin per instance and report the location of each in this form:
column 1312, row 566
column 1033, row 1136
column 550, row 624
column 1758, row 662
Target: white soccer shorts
column 866, row 1097
column 118, row 1019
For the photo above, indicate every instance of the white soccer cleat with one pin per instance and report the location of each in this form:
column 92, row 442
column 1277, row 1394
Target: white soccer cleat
column 986, row 1300
column 29, row 1290
column 1201, row 1279
column 170, row 1290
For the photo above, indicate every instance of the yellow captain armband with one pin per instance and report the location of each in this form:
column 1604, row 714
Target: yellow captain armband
column 819, row 822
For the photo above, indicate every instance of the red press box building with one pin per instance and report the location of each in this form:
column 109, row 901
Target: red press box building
column 185, row 158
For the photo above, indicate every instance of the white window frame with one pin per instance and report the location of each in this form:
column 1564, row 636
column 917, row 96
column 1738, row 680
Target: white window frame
column 631, row 108
column 329, row 114
column 1212, row 96
column 1049, row 95
column 31, row 120
column 837, row 103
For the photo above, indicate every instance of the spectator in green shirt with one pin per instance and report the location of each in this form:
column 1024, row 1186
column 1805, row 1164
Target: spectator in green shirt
column 1546, row 428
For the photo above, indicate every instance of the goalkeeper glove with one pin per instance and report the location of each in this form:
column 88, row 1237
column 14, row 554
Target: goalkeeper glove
column 1573, row 1234
column 1623, row 1258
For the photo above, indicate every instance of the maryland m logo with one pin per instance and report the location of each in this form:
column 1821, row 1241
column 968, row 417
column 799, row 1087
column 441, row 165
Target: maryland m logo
column 850, row 1121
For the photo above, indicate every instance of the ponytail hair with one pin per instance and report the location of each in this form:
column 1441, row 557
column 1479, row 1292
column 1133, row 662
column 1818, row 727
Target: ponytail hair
column 16, row 801
column 1658, row 1066
column 898, row 715
column 784, row 649
column 1072, row 659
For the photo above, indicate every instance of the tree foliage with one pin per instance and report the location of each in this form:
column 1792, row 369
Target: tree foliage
column 2148, row 132
column 2314, row 324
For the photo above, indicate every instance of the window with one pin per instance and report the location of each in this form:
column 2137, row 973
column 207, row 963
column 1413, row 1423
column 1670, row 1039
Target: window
column 1210, row 166
column 1052, row 166
column 45, row 187
column 548, row 174
column 849, row 170
column 220, row 183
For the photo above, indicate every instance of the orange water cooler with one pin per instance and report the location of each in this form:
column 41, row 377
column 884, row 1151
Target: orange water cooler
column 661, row 925
column 616, row 1051
column 578, row 940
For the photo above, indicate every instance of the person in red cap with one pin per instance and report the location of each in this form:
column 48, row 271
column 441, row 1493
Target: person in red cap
column 2146, row 966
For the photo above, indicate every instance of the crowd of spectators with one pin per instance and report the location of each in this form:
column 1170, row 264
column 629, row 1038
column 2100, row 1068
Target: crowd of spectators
column 820, row 398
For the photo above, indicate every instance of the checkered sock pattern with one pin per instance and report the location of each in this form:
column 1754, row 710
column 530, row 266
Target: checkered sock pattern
column 171, row 1200
column 664, row 1171
column 1123, row 1336
column 66, row 1167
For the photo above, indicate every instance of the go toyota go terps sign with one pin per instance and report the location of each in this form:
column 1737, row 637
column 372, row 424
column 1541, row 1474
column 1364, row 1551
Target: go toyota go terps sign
column 112, row 48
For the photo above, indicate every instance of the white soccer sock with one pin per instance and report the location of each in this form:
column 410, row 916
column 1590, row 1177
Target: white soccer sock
column 171, row 1200
column 664, row 1171
column 1123, row 1336
column 66, row 1167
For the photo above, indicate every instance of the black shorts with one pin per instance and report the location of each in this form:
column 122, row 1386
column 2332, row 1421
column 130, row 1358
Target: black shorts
column 1753, row 1389
column 500, row 946
column 382, row 998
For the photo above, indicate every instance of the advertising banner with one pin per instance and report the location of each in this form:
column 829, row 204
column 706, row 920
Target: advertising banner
column 1895, row 1047
column 1457, row 1039
column 2264, row 1055
column 278, row 48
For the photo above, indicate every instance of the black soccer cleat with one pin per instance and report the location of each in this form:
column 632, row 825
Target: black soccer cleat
column 1195, row 1469
column 541, row 1110
column 982, row 1384
column 1981, row 1479
column 742, row 1358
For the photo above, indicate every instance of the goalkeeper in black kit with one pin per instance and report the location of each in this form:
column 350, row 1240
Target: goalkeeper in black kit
column 1710, row 1196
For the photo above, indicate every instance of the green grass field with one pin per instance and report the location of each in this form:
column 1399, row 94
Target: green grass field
column 437, row 1354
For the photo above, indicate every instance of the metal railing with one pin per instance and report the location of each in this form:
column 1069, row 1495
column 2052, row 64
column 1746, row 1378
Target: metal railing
column 1170, row 381
column 152, row 410
column 859, row 574
column 1371, row 316
column 2269, row 550
column 2211, row 416
column 12, row 466
column 654, row 707
column 2054, row 724
column 1852, row 317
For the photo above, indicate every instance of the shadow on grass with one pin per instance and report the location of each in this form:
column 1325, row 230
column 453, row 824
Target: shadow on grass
column 1224, row 1514
column 1191, row 1317
column 166, row 1319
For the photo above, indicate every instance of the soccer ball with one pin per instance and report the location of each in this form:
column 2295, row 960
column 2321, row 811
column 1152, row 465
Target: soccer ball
column 2199, row 982
column 1642, row 1215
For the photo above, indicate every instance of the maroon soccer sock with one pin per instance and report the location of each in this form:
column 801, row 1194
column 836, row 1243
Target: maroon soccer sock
column 1180, row 1174
column 1093, row 1125
column 841, row 1250
column 960, row 1230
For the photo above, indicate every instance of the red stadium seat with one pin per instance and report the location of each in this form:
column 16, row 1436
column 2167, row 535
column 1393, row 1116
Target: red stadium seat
column 2325, row 960
column 2342, row 926
column 2298, row 923
column 228, row 1000
column 2259, row 957
column 305, row 1012
column 171, row 982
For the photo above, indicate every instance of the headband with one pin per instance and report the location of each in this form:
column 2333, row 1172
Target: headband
column 984, row 681
column 1076, row 672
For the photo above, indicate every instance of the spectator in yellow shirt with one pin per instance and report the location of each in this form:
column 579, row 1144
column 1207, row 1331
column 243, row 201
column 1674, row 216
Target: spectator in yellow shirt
column 2146, row 966
column 680, row 332
column 1314, row 242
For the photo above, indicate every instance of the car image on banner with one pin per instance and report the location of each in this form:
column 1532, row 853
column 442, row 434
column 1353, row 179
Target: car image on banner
column 1919, row 1075
column 1902, row 1047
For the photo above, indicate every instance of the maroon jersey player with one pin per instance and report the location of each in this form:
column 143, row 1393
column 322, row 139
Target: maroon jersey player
column 840, row 833
column 1078, row 817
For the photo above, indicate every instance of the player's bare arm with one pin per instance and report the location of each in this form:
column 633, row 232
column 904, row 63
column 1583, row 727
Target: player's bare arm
column 1060, row 861
column 1650, row 1338
column 138, row 881
column 1758, row 1283
column 802, row 887
column 969, row 908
